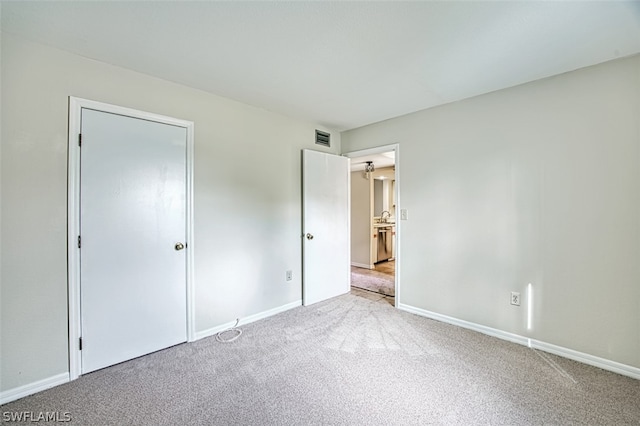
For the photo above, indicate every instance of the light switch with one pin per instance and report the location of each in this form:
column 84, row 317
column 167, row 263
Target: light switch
column 404, row 214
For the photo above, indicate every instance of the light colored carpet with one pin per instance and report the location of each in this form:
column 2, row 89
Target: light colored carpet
column 372, row 280
column 352, row 360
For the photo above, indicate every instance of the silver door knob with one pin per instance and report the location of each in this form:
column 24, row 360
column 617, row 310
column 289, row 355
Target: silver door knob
column 179, row 246
column 309, row 236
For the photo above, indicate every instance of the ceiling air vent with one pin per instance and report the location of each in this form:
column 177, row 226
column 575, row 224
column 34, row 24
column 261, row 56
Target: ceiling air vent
column 323, row 138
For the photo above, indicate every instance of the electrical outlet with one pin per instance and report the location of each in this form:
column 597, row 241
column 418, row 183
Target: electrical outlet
column 515, row 298
column 289, row 275
column 404, row 214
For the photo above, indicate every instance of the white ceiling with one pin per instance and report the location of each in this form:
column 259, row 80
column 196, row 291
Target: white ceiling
column 341, row 64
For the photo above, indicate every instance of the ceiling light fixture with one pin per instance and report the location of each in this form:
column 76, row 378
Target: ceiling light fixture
column 368, row 168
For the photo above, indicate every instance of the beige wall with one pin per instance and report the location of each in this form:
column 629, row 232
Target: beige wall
column 535, row 184
column 247, row 199
column 361, row 219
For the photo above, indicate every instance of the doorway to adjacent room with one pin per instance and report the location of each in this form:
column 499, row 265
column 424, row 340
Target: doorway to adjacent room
column 375, row 221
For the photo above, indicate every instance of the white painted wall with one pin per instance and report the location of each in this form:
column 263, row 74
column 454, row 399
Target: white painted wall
column 536, row 184
column 247, row 199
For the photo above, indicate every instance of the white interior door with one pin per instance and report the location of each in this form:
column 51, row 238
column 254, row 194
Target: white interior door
column 133, row 296
column 326, row 233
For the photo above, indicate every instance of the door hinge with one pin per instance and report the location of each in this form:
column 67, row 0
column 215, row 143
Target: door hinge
column 79, row 241
column 79, row 139
column 80, row 341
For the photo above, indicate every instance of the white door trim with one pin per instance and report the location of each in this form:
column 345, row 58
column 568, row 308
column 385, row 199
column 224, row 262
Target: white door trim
column 73, row 217
column 378, row 150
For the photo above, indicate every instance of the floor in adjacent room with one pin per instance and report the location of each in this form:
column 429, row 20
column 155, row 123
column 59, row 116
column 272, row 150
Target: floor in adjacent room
column 388, row 267
column 379, row 280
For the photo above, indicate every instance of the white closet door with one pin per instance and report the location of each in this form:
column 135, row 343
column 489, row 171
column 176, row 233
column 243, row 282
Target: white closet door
column 133, row 223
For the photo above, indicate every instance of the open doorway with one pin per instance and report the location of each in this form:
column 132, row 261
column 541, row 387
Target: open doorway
column 374, row 222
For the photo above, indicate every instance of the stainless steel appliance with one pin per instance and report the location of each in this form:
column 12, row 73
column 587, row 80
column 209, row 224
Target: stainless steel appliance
column 385, row 236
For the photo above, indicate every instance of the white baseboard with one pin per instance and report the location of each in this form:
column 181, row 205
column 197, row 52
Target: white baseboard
column 31, row 388
column 252, row 318
column 362, row 265
column 605, row 364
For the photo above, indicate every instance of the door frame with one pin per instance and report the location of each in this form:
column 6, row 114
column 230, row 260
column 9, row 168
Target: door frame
column 378, row 150
column 73, row 217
